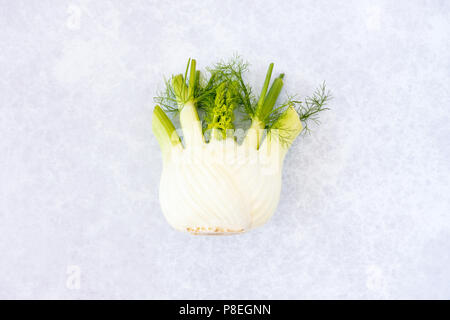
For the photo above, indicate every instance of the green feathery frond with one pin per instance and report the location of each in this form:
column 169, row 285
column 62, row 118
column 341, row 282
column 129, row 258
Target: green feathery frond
column 222, row 92
column 167, row 98
column 180, row 88
column 233, row 71
column 309, row 109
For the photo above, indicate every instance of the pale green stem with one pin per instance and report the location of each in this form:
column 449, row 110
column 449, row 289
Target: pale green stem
column 191, row 125
column 264, row 108
column 189, row 120
column 165, row 132
column 265, row 86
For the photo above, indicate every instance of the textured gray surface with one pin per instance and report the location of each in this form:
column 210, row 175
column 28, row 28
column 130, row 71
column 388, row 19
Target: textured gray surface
column 365, row 207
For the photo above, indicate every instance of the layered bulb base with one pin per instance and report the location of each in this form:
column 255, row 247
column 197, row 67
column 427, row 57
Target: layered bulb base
column 220, row 188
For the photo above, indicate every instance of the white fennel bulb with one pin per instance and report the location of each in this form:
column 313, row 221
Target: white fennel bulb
column 211, row 183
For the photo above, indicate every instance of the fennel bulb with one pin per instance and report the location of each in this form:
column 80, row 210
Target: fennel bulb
column 212, row 183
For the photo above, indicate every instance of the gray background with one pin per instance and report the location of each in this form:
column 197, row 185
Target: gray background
column 365, row 206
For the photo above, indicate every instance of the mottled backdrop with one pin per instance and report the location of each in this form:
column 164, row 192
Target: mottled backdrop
column 365, row 206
